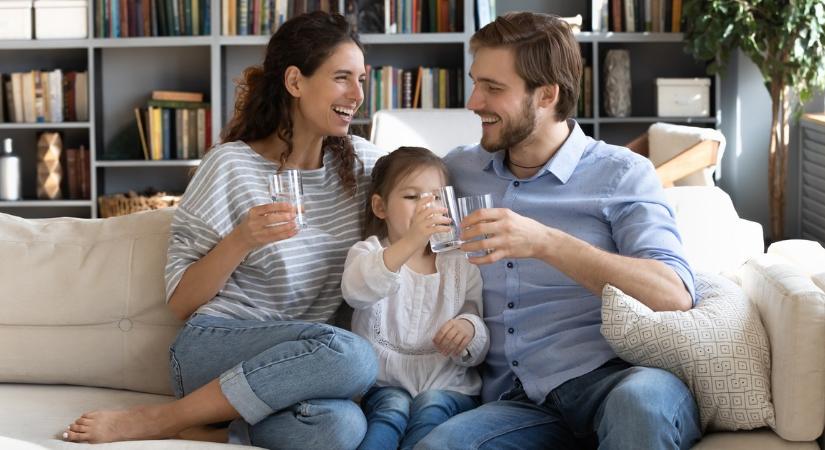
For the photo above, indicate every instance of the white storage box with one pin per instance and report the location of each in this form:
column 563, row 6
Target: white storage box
column 683, row 97
column 15, row 19
column 60, row 19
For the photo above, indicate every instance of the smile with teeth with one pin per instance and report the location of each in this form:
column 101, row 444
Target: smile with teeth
column 488, row 120
column 342, row 111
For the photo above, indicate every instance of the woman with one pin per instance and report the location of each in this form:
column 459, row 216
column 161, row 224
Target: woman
column 256, row 350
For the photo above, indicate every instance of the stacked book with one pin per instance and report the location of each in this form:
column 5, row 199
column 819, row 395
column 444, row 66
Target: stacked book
column 139, row 18
column 44, row 96
column 390, row 87
column 174, row 125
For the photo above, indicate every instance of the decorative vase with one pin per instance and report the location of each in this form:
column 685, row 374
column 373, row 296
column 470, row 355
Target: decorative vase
column 617, row 83
column 49, row 172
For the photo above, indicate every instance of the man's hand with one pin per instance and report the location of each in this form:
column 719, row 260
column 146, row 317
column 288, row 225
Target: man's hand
column 509, row 235
column 454, row 337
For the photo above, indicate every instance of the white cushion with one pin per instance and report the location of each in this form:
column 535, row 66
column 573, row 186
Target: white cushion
column 715, row 239
column 792, row 309
column 35, row 416
column 666, row 141
column 806, row 255
column 83, row 301
column 718, row 348
column 439, row 130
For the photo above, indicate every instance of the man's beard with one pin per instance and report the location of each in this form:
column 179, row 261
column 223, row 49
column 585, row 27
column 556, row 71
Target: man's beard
column 513, row 134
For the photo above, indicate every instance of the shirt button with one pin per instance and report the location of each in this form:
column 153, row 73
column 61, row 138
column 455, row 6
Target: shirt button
column 509, row 265
column 510, row 305
column 516, row 183
column 515, row 363
column 511, row 331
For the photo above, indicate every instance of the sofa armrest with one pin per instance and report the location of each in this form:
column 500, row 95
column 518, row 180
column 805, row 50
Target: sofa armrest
column 792, row 308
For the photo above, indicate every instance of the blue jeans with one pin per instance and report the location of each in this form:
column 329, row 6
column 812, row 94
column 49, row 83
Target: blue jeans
column 616, row 406
column 291, row 382
column 393, row 417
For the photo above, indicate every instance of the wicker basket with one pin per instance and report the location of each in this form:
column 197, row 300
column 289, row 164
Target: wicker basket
column 122, row 204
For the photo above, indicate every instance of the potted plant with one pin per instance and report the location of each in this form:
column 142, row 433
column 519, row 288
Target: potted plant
column 786, row 41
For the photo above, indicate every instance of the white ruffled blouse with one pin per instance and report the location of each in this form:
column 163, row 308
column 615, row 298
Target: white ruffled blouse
column 400, row 313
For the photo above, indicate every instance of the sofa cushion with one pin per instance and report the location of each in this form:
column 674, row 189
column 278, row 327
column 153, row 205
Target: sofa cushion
column 792, row 308
column 809, row 256
column 37, row 415
column 715, row 239
column 83, row 301
column 719, row 349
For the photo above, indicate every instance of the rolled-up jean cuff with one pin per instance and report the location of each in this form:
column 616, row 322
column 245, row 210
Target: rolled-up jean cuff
column 236, row 389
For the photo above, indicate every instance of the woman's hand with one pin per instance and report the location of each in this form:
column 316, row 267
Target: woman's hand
column 265, row 224
column 454, row 336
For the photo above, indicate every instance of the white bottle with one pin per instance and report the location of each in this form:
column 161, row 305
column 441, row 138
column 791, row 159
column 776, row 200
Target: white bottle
column 9, row 173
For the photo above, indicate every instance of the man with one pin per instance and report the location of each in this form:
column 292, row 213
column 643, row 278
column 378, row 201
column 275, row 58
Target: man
column 574, row 214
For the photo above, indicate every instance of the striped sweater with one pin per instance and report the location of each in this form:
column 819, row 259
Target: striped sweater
column 295, row 279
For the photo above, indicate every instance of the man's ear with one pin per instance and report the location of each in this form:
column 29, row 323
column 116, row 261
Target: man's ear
column 547, row 96
column 292, row 80
column 378, row 206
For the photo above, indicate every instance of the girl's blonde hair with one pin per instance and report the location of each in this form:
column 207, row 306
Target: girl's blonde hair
column 389, row 170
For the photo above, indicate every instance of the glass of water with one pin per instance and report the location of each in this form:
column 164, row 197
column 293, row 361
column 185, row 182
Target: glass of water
column 286, row 187
column 444, row 197
column 466, row 206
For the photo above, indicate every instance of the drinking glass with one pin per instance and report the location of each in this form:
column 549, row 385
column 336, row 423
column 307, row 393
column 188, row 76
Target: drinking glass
column 286, row 187
column 444, row 197
column 466, row 205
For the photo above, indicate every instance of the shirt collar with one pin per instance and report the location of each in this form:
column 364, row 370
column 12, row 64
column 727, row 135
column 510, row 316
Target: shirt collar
column 562, row 164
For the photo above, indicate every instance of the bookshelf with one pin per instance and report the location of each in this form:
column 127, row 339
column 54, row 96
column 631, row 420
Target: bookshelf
column 123, row 71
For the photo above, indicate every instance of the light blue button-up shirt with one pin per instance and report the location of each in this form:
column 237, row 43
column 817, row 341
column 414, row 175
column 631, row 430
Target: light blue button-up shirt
column 544, row 327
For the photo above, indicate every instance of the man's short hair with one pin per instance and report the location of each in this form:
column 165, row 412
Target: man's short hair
column 546, row 53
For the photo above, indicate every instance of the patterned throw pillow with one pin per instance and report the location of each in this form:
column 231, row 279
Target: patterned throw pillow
column 719, row 349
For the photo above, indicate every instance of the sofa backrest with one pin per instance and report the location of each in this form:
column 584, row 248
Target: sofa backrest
column 82, row 301
column 439, row 130
column 715, row 239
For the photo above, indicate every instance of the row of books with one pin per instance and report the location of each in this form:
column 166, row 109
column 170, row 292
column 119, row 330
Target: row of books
column 658, row 16
column 76, row 166
column 406, row 16
column 174, row 126
column 138, row 18
column 389, row 87
column 263, row 17
column 44, row 96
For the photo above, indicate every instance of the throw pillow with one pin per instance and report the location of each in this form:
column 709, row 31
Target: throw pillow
column 719, row 349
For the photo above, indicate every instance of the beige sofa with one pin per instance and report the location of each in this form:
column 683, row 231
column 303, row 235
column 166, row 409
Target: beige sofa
column 84, row 324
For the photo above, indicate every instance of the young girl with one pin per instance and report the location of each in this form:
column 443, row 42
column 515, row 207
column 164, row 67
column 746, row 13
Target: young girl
column 421, row 311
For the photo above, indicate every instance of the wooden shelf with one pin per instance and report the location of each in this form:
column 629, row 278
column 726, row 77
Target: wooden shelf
column 141, row 163
column 43, row 126
column 45, row 203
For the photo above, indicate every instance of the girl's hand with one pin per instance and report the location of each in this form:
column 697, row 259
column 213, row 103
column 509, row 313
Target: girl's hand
column 427, row 220
column 265, row 224
column 454, row 337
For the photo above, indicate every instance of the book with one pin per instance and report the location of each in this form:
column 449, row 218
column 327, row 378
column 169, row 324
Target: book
column 141, row 133
column 676, row 23
column 72, row 175
column 85, row 176
column 177, row 96
column 80, row 97
column 175, row 104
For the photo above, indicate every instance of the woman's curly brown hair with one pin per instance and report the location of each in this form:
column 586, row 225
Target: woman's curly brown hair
column 263, row 103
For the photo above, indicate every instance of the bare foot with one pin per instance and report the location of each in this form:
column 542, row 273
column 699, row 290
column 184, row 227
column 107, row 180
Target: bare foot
column 205, row 433
column 141, row 422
